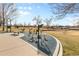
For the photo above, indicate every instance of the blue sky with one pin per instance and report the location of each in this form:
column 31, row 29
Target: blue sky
column 29, row 10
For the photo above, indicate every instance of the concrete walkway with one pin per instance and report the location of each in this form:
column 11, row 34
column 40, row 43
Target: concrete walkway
column 14, row 46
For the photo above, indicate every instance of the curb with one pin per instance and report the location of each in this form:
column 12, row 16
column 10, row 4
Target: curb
column 59, row 49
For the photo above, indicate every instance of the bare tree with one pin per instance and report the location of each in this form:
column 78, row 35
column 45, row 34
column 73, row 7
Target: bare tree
column 48, row 22
column 77, row 23
column 0, row 16
column 38, row 20
column 8, row 13
column 62, row 9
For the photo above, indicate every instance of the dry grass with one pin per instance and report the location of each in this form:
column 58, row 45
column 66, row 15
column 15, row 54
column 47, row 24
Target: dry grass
column 15, row 29
column 69, row 40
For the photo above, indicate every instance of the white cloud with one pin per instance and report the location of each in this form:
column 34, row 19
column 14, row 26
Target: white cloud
column 22, row 8
column 72, row 20
column 22, row 13
column 38, row 6
column 29, row 8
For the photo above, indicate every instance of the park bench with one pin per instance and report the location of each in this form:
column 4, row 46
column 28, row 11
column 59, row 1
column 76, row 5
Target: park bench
column 16, row 32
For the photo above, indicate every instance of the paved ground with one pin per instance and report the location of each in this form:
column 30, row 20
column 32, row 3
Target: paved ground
column 14, row 46
column 47, row 46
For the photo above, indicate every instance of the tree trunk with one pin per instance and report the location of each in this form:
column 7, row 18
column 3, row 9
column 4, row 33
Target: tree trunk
column 3, row 24
column 3, row 17
column 10, row 25
column 7, row 26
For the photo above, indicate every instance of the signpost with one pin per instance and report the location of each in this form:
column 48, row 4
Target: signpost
column 38, row 36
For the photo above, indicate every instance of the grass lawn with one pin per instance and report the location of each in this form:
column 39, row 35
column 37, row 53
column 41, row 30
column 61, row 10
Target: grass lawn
column 13, row 29
column 69, row 40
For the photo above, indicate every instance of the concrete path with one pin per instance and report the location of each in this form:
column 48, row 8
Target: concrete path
column 14, row 46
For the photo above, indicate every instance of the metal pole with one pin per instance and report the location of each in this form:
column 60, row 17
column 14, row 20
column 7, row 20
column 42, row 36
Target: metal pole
column 38, row 39
column 38, row 42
